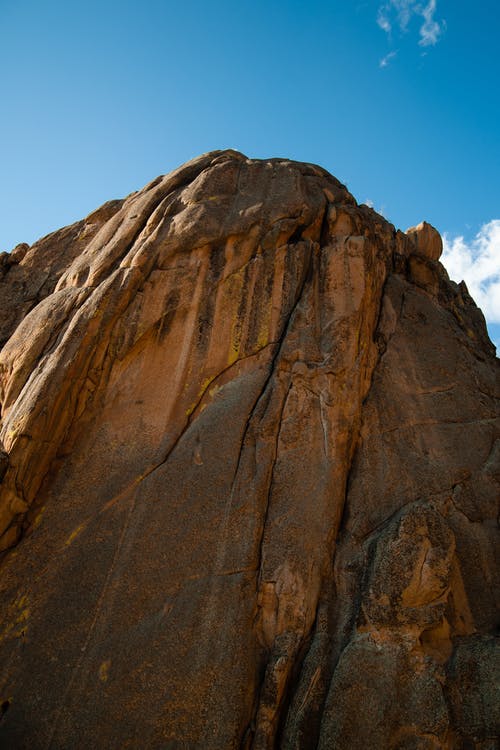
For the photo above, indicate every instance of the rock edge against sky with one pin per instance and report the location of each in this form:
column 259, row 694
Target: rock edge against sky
column 250, row 470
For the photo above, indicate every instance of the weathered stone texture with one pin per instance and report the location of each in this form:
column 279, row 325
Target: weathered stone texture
column 250, row 474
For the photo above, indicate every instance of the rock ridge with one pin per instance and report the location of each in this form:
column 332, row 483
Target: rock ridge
column 249, row 475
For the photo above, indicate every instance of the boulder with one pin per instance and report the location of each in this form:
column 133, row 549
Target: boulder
column 427, row 240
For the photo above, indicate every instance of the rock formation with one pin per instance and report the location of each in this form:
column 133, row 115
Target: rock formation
column 250, row 457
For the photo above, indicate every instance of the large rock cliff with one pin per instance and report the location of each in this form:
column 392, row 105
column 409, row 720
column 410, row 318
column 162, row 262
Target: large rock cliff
column 250, row 457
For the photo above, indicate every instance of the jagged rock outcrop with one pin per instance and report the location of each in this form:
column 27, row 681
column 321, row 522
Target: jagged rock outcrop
column 250, row 473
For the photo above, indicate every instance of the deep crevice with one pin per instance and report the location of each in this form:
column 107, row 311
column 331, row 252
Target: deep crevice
column 4, row 707
column 272, row 364
column 271, row 485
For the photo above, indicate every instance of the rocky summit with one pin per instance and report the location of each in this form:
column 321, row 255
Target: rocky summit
column 250, row 457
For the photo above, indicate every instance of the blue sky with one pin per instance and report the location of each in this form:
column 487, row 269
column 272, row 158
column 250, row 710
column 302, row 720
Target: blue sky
column 397, row 98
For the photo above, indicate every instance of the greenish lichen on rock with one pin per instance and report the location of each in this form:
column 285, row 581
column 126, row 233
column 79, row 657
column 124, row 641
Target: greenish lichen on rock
column 249, row 475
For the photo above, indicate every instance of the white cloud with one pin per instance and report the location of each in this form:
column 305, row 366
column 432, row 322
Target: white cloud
column 383, row 20
column 384, row 62
column 431, row 30
column 405, row 10
column 401, row 12
column 368, row 202
column 477, row 263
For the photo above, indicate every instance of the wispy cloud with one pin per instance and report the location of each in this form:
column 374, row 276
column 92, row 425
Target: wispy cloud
column 399, row 13
column 368, row 202
column 477, row 263
column 384, row 62
column 431, row 30
column 383, row 20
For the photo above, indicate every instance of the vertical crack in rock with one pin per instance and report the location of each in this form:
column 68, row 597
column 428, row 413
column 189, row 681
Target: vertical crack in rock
column 249, row 475
column 289, row 642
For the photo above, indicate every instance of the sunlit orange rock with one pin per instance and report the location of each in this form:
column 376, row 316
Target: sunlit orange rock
column 250, row 456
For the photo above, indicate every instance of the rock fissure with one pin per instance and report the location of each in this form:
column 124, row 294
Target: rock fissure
column 265, row 515
column 233, row 407
column 271, row 371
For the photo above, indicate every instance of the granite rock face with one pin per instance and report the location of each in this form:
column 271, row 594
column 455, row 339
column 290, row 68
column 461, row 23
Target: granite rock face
column 250, row 457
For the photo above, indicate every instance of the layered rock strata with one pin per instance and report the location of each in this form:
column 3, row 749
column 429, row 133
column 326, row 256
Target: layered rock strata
column 250, row 463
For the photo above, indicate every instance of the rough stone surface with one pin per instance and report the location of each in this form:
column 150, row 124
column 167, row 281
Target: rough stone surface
column 250, row 464
column 426, row 239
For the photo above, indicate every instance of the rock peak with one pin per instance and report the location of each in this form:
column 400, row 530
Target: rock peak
column 249, row 460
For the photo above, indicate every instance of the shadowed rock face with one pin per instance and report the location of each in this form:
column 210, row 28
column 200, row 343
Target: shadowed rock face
column 250, row 458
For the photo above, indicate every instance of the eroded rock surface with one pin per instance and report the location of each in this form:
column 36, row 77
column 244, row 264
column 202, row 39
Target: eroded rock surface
column 426, row 239
column 250, row 463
